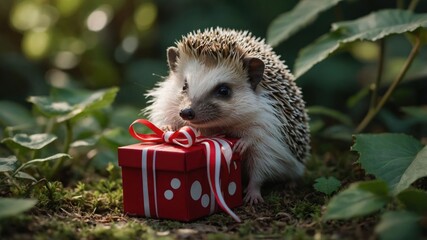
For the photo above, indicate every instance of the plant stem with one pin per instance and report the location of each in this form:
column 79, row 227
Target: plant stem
column 371, row 114
column 413, row 5
column 67, row 143
column 49, row 125
column 68, row 136
column 377, row 83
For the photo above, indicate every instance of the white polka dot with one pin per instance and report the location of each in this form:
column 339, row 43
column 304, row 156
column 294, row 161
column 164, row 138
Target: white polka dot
column 168, row 194
column 232, row 188
column 235, row 165
column 205, row 200
column 196, row 190
column 175, row 183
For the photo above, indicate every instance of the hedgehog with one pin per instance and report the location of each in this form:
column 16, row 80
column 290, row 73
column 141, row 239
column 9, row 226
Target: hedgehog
column 229, row 82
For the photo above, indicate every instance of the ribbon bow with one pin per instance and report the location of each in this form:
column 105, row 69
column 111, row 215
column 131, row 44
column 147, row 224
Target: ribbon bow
column 216, row 150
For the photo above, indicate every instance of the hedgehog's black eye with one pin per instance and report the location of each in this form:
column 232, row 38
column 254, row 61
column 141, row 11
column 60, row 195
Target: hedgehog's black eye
column 185, row 87
column 223, row 91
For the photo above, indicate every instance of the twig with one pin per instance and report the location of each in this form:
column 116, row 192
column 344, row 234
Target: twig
column 67, row 143
column 371, row 114
column 413, row 5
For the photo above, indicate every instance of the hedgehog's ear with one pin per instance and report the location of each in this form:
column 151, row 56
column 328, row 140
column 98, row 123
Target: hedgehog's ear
column 255, row 68
column 172, row 54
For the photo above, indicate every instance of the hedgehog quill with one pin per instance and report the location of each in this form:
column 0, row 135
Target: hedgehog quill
column 228, row 82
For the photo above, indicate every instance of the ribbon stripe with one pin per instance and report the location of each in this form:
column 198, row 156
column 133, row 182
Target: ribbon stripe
column 216, row 149
column 145, row 194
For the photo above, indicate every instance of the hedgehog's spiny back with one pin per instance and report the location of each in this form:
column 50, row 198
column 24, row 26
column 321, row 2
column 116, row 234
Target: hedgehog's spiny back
column 222, row 44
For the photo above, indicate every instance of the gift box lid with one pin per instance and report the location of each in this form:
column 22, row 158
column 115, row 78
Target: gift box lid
column 168, row 157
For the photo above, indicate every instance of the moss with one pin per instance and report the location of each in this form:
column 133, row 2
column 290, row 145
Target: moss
column 305, row 209
column 118, row 231
column 246, row 228
column 58, row 229
column 50, row 195
column 295, row 233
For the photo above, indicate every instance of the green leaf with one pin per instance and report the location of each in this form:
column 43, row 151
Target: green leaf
column 372, row 27
column 25, row 175
column 13, row 114
column 55, row 157
column 398, row 159
column 338, row 132
column 327, row 185
column 29, row 142
column 316, row 125
column 304, row 13
column 13, row 206
column 359, row 199
column 317, row 52
column 51, row 107
column 416, row 170
column 320, row 110
column 117, row 137
column 66, row 104
column 88, row 142
column 418, row 112
column 399, row 225
column 7, row 164
column 103, row 158
column 414, row 200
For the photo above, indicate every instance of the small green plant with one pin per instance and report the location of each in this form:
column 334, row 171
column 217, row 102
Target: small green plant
column 40, row 148
column 327, row 185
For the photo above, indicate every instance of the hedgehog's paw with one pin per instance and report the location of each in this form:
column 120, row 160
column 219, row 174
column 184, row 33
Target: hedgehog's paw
column 241, row 146
column 167, row 128
column 253, row 195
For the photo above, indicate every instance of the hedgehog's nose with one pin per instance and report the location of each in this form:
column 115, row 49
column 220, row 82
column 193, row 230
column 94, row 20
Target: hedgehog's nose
column 187, row 114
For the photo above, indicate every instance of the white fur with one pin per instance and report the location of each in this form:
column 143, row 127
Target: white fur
column 250, row 116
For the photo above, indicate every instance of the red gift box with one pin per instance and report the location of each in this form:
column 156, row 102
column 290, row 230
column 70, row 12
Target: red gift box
column 169, row 181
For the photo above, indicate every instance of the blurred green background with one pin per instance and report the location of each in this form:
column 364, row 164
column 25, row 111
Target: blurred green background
column 101, row 43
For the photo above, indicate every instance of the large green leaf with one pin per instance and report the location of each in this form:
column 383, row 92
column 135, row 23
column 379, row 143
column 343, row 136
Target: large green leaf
column 317, row 52
column 397, row 159
column 359, row 199
column 372, row 27
column 66, row 103
column 12, row 206
column 7, row 164
column 399, row 225
column 300, row 16
column 29, row 142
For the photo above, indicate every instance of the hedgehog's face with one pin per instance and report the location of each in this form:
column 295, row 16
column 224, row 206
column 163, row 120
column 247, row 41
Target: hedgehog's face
column 216, row 94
